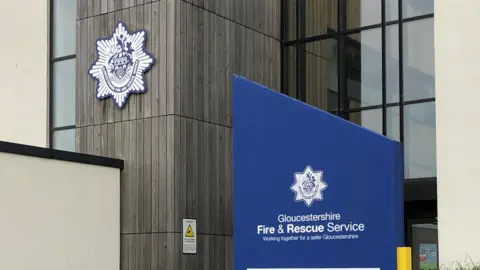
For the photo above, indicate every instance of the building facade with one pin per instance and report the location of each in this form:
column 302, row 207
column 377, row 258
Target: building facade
column 372, row 62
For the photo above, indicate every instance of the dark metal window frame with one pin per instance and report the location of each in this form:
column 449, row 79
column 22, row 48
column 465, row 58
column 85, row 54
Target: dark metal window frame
column 51, row 128
column 341, row 36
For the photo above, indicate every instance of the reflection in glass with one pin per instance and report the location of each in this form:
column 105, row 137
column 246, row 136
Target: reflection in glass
column 64, row 140
column 393, row 123
column 318, row 17
column 419, row 140
column 64, row 93
column 291, row 19
column 290, row 67
column 64, row 29
column 418, row 60
column 318, row 68
column 413, row 8
column 371, row 119
column 363, row 65
column 362, row 12
column 392, row 63
column 391, row 10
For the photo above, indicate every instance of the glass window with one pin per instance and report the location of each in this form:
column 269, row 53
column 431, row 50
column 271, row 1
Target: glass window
column 413, row 8
column 64, row 93
column 392, row 63
column 391, row 10
column 418, row 60
column 363, row 13
column 317, row 17
column 371, row 119
column 393, row 123
column 64, row 140
column 320, row 73
column 419, row 140
column 363, row 65
column 64, row 29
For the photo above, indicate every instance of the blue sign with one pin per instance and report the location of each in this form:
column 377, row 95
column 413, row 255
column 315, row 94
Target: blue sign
column 122, row 60
column 311, row 190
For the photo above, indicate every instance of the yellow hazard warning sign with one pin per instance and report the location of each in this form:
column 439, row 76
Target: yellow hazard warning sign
column 189, row 236
column 189, row 232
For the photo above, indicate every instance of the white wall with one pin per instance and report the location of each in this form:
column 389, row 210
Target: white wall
column 58, row 215
column 457, row 43
column 24, row 71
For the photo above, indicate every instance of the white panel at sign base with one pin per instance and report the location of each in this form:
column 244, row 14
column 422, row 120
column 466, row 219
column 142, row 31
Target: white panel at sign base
column 189, row 235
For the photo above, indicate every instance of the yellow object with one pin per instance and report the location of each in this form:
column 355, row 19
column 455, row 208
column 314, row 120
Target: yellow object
column 404, row 258
column 189, row 232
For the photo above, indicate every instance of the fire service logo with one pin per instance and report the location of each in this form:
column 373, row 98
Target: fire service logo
column 121, row 63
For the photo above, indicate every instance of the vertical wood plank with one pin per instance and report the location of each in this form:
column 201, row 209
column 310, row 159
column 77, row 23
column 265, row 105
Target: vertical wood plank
column 231, row 55
column 229, row 183
column 136, row 185
column 212, row 105
column 97, row 140
column 97, row 105
column 81, row 75
column 250, row 13
column 90, row 140
column 171, row 28
column 239, row 11
column 110, row 103
column 188, row 125
column 90, row 85
column 81, row 140
column 199, row 71
column 214, row 180
column 182, row 104
column 110, row 5
column 144, row 106
column 147, row 174
column 221, row 71
column 170, row 191
column 249, row 51
column 134, row 100
column 194, row 66
column 90, row 8
column 239, row 50
column 259, row 51
column 162, row 84
column 103, row 6
column 153, row 96
column 178, row 57
column 111, row 141
column 183, row 169
column 171, row 252
column 127, row 205
column 193, row 176
column 125, row 18
column 206, row 64
column 207, row 187
column 157, row 192
column 125, row 3
column 97, row 7
column 104, row 112
column 201, row 3
column 179, row 204
column 221, row 176
column 188, row 94
column 200, row 158
column 162, row 173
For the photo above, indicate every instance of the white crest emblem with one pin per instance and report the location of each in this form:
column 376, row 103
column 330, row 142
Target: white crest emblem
column 308, row 186
column 121, row 63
